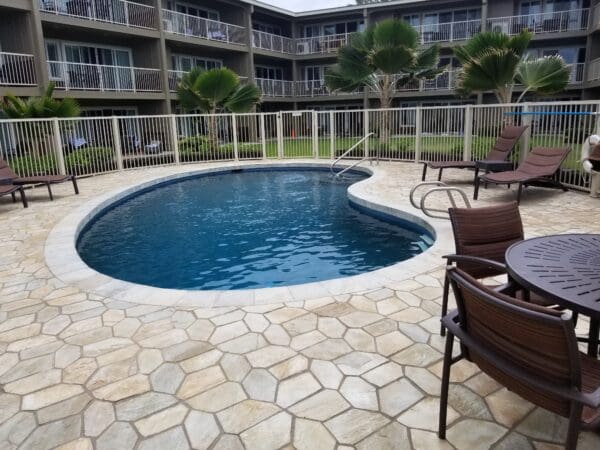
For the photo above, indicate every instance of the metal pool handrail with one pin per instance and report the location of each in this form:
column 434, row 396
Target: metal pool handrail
column 442, row 187
column 343, row 155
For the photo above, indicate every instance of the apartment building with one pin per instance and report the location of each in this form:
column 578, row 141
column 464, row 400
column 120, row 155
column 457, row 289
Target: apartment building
column 120, row 57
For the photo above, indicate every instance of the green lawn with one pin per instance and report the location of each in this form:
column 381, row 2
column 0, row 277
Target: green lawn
column 403, row 147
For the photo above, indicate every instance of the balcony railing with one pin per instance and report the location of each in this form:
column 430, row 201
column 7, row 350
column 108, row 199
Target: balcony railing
column 577, row 75
column 321, row 44
column 553, row 22
column 98, row 77
column 17, row 69
column 449, row 32
column 275, row 88
column 121, row 12
column 176, row 75
column 272, row 42
column 594, row 70
column 212, row 30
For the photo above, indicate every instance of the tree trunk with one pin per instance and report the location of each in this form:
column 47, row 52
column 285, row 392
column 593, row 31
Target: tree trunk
column 213, row 132
column 385, row 103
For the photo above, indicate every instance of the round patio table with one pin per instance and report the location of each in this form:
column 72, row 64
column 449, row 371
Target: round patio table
column 564, row 268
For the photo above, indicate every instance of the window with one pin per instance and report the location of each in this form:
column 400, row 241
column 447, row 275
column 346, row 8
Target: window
column 185, row 63
column 330, row 29
column 269, row 73
column 193, row 10
column 314, row 73
column 267, row 28
column 413, row 19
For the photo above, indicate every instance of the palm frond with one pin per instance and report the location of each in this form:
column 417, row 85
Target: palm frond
column 492, row 69
column 394, row 60
column 547, row 75
column 243, row 99
column 392, row 33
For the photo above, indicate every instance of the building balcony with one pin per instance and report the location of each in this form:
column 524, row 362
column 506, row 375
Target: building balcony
column 98, row 77
column 553, row 22
column 198, row 27
column 448, row 32
column 272, row 42
column 577, row 73
column 593, row 73
column 275, row 88
column 321, row 44
column 120, row 12
column 176, row 75
column 17, row 69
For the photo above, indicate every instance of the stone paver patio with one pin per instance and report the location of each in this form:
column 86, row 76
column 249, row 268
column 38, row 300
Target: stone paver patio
column 358, row 370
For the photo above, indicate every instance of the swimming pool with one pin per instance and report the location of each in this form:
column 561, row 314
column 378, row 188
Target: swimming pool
column 244, row 229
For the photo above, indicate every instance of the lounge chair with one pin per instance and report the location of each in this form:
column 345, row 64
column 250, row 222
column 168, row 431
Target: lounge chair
column 529, row 349
column 7, row 173
column 500, row 152
column 6, row 189
column 481, row 238
column 540, row 167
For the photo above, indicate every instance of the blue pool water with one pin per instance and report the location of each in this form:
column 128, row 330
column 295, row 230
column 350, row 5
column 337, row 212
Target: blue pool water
column 247, row 229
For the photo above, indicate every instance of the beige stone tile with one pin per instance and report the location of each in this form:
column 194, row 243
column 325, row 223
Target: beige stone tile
column 246, row 414
column 293, row 389
column 162, row 420
column 201, row 381
column 354, row 425
column 507, row 407
column 310, row 435
column 218, row 398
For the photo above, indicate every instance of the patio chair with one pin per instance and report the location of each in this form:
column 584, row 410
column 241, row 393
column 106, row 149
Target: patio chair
column 529, row 349
column 541, row 167
column 47, row 180
column 500, row 152
column 6, row 189
column 481, row 238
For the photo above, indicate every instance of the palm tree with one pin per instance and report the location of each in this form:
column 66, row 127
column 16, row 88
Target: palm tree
column 494, row 61
column 383, row 58
column 39, row 107
column 215, row 91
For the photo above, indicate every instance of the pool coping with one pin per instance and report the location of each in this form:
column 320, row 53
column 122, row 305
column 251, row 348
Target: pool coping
column 65, row 263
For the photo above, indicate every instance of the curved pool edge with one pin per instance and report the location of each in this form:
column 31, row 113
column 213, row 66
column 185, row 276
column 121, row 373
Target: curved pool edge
column 65, row 263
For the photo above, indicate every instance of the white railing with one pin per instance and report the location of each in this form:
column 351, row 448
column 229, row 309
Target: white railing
column 311, row 88
column 121, row 12
column 98, row 77
column 275, row 88
column 176, row 75
column 17, row 69
column 552, row 22
column 448, row 32
column 576, row 75
column 92, row 145
column 594, row 70
column 321, row 44
column 272, row 42
column 212, row 30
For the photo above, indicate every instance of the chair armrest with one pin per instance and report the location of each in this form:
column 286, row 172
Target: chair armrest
column 477, row 260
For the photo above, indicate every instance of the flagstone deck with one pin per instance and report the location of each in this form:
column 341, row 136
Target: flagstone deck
column 354, row 370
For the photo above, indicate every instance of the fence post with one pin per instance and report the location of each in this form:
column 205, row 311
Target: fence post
column 332, row 134
column 117, row 142
column 418, row 132
column 315, row 134
column 236, row 153
column 366, row 131
column 468, row 132
column 60, row 157
column 174, row 140
column 526, row 137
column 279, row 136
column 263, row 138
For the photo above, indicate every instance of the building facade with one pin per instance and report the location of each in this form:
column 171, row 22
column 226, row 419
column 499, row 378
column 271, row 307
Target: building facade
column 119, row 57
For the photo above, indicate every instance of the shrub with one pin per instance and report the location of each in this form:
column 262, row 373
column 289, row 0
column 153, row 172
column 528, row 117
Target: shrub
column 193, row 145
column 89, row 160
column 34, row 164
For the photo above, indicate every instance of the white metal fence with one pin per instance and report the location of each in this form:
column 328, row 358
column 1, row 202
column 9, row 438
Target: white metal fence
column 100, row 77
column 551, row 22
column 193, row 26
column 116, row 11
column 449, row 32
column 17, row 69
column 94, row 145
